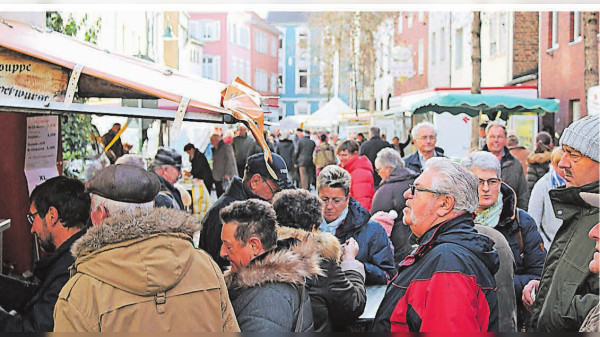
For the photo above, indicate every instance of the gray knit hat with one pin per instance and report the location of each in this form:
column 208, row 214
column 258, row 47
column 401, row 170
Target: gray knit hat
column 583, row 136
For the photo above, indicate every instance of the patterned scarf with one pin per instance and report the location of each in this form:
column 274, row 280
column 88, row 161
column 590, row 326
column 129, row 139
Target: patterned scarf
column 491, row 216
column 555, row 178
column 332, row 226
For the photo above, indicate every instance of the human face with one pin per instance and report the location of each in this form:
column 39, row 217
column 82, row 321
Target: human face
column 334, row 202
column 496, row 140
column 396, row 141
column 595, row 235
column 420, row 211
column 238, row 253
column 39, row 228
column 425, row 140
column 384, row 172
column 268, row 189
column 489, row 186
column 579, row 170
column 344, row 156
column 170, row 173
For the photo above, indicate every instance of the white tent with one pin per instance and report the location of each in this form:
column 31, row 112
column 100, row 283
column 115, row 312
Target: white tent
column 328, row 115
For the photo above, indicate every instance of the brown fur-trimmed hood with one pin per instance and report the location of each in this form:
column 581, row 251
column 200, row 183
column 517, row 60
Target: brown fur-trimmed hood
column 323, row 243
column 539, row 158
column 288, row 265
column 139, row 224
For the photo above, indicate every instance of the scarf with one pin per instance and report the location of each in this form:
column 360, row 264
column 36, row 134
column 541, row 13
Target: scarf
column 555, row 178
column 491, row 216
column 332, row 226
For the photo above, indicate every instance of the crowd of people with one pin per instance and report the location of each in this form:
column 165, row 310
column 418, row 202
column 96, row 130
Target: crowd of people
column 500, row 240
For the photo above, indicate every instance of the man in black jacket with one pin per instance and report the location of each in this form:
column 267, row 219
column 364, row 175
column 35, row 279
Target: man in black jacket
column 303, row 159
column 257, row 183
column 167, row 166
column 200, row 167
column 58, row 213
column 370, row 148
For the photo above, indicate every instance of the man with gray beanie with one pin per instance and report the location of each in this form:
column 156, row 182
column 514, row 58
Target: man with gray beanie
column 136, row 268
column 568, row 290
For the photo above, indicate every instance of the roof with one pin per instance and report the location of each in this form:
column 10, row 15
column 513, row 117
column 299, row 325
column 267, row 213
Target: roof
column 111, row 72
column 288, row 17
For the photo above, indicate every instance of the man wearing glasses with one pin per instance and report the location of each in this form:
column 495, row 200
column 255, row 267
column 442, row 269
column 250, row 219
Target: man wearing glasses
column 257, row 183
column 58, row 213
column 424, row 137
column 447, row 283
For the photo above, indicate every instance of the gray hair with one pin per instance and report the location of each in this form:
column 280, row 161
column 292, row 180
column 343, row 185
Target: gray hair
column 375, row 131
column 421, row 125
column 482, row 160
column 455, row 180
column 118, row 207
column 388, row 157
column 334, row 177
column 494, row 123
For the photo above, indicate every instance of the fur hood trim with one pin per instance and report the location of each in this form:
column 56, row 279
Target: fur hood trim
column 294, row 265
column 539, row 158
column 139, row 224
column 323, row 243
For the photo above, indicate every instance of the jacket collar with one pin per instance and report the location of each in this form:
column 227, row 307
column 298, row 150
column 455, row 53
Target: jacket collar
column 399, row 174
column 41, row 266
column 138, row 224
column 567, row 202
column 239, row 191
column 290, row 262
column 507, row 158
column 324, row 244
column 356, row 218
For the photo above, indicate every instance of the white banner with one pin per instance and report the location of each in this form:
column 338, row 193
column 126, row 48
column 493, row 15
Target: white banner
column 41, row 150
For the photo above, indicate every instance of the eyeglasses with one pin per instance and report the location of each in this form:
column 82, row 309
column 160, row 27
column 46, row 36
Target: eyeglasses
column 31, row 217
column 414, row 188
column 492, row 182
column 273, row 192
column 333, row 201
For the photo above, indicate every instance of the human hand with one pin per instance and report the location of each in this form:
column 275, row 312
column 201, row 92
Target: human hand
column 349, row 249
column 529, row 293
column 386, row 220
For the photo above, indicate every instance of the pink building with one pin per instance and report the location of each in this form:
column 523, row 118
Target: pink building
column 238, row 44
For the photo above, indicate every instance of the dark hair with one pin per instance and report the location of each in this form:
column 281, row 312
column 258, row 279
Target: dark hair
column 323, row 137
column 543, row 142
column 69, row 198
column 298, row 209
column 361, row 135
column 188, row 147
column 349, row 144
column 117, row 124
column 254, row 217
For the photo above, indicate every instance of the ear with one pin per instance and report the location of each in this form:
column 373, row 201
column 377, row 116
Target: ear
column 445, row 205
column 254, row 181
column 98, row 214
column 255, row 245
column 52, row 217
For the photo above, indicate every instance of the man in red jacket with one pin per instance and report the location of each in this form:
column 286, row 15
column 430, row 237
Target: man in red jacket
column 362, row 187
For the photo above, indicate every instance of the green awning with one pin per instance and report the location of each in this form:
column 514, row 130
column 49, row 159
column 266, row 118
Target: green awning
column 491, row 105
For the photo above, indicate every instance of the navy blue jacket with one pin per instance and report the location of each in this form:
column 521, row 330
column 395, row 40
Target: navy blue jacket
column 446, row 285
column 412, row 161
column 374, row 247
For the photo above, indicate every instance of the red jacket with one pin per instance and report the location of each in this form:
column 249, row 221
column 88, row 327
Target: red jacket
column 362, row 187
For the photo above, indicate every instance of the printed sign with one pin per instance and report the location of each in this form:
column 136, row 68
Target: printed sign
column 41, row 150
column 26, row 78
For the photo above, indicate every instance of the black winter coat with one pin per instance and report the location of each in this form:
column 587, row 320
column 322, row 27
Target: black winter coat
column 538, row 164
column 201, row 169
column 412, row 161
column 370, row 148
column 210, row 235
column 171, row 191
column 53, row 273
column 389, row 197
column 375, row 249
column 303, row 156
column 285, row 149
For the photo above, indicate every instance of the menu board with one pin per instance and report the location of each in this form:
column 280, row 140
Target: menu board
column 41, row 150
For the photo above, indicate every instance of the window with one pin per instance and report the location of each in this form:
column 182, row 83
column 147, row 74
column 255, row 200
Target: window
column 302, row 80
column 409, row 20
column 459, row 48
column 244, row 37
column 493, row 35
column 420, row 57
column 273, row 46
column 195, row 56
column 211, row 66
column 421, row 16
column 575, row 106
column 260, row 42
column 233, row 34
column 302, row 51
column 273, row 83
column 301, row 108
column 400, row 22
column 442, row 44
column 281, row 80
column 206, row 30
column 432, row 47
column 260, row 80
column 503, row 32
column 575, row 26
column 553, row 33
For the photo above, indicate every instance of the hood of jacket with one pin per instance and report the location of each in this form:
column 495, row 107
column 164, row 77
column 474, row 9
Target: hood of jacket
column 399, row 174
column 324, row 244
column 539, row 158
column 144, row 252
column 359, row 162
column 461, row 231
column 290, row 262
